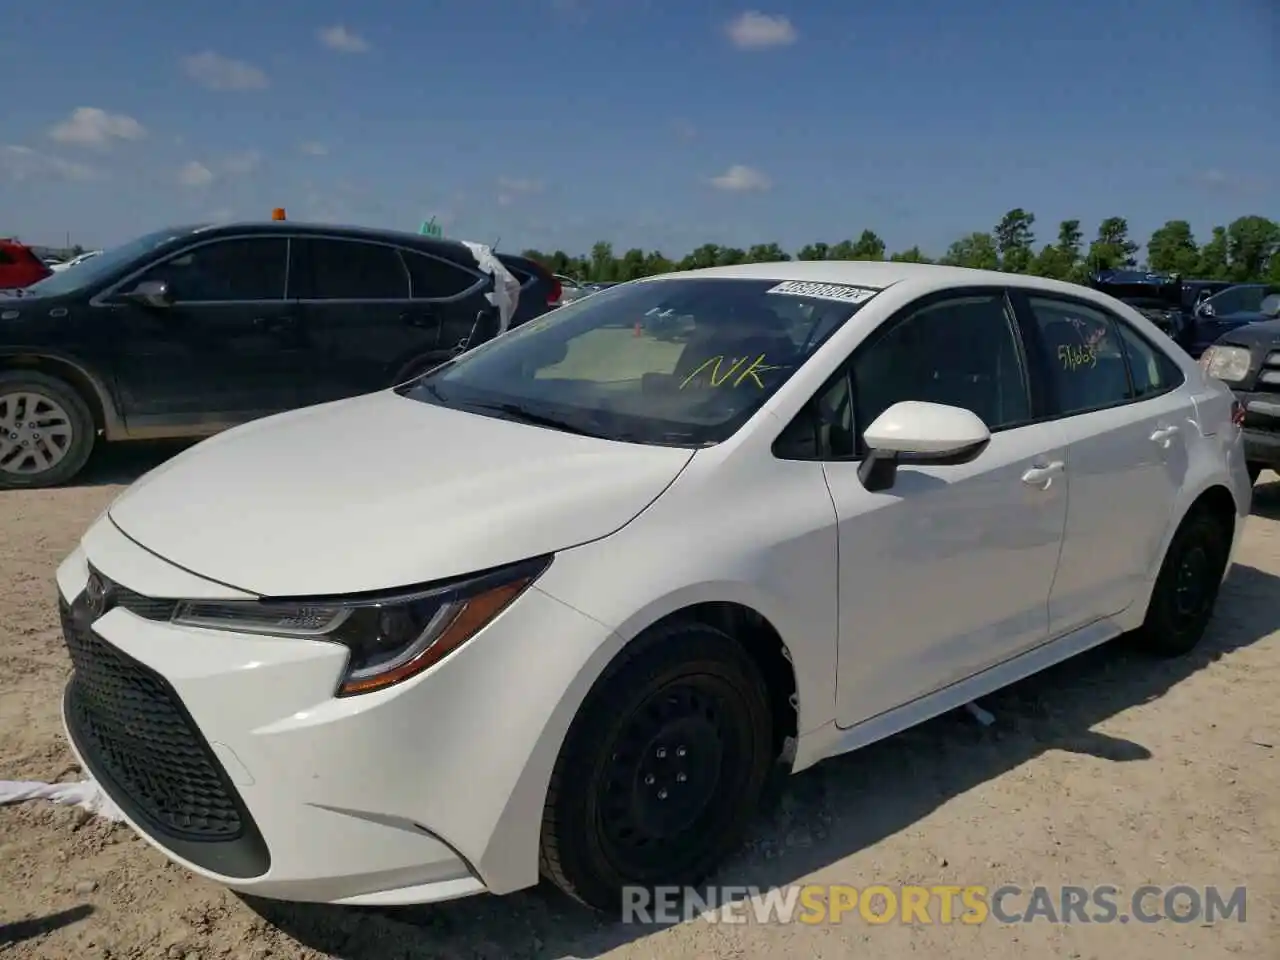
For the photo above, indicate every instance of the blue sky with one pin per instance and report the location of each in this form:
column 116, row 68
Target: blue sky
column 652, row 123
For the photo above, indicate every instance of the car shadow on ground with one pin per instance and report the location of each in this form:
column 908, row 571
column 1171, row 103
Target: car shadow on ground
column 22, row 930
column 1266, row 498
column 831, row 811
column 123, row 463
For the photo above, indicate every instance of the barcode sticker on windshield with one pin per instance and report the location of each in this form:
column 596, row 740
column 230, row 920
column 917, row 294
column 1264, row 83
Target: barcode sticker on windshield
column 845, row 292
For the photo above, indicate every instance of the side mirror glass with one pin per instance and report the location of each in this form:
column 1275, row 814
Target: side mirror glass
column 153, row 293
column 1206, row 310
column 915, row 432
column 1270, row 306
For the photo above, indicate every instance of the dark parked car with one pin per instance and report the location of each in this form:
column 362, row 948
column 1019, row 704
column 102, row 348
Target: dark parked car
column 1157, row 296
column 1234, row 307
column 187, row 331
column 1247, row 359
column 540, row 290
column 19, row 267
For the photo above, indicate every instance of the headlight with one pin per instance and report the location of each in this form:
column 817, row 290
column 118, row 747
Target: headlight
column 391, row 637
column 1230, row 364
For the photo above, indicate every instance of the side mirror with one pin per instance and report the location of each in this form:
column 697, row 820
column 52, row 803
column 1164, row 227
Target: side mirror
column 1205, row 310
column 915, row 432
column 1270, row 306
column 153, row 293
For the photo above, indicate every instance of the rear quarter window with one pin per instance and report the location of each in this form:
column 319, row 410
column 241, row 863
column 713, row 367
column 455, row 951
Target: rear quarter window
column 434, row 279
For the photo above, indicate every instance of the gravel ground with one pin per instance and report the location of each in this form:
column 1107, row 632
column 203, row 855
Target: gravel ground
column 1112, row 769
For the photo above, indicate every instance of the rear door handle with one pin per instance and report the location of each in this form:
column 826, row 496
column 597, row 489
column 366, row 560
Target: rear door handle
column 1042, row 476
column 1164, row 435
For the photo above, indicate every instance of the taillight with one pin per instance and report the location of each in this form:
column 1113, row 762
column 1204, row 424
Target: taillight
column 556, row 292
column 1237, row 413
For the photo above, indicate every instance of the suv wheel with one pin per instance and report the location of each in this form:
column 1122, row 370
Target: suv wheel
column 662, row 770
column 46, row 430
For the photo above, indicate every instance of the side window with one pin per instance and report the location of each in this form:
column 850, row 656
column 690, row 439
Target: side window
column 4, row 256
column 352, row 270
column 225, row 270
column 1151, row 369
column 436, row 279
column 1086, row 361
column 962, row 352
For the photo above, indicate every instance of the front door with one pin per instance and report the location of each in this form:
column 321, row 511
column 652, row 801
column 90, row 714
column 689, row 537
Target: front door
column 949, row 571
column 226, row 349
column 1125, row 423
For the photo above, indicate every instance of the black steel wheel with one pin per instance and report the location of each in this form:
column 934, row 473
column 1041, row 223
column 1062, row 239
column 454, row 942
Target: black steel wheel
column 662, row 770
column 1187, row 586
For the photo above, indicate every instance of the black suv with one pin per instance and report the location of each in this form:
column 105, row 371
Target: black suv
column 187, row 331
column 1247, row 359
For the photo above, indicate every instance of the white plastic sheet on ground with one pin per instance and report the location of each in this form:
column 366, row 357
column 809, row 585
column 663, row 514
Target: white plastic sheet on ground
column 506, row 288
column 86, row 794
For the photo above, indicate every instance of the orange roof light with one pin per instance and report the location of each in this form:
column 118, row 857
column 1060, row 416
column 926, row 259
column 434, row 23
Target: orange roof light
column 277, row 213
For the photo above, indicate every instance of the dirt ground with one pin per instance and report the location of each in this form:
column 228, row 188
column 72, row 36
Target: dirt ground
column 1112, row 769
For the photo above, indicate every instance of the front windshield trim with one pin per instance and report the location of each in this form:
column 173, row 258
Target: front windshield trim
column 583, row 365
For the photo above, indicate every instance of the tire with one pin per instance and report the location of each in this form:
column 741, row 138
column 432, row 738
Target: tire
column 1255, row 471
column 684, row 711
column 61, row 411
column 1186, row 587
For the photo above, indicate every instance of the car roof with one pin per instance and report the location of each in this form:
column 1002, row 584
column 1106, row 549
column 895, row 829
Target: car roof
column 923, row 277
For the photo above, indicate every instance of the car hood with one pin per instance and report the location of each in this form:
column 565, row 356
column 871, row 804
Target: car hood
column 381, row 491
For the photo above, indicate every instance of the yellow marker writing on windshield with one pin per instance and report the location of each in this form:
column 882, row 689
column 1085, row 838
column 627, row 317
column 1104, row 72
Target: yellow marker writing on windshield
column 712, row 366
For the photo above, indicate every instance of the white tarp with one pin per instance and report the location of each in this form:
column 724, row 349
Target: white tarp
column 86, row 794
column 506, row 288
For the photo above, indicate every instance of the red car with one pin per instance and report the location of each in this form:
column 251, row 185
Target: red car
column 19, row 267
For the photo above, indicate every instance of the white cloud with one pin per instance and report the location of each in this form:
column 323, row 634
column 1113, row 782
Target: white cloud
column 195, row 174
column 92, row 127
column 343, row 40
column 740, row 179
column 313, row 148
column 510, row 188
column 756, row 31
column 216, row 72
column 24, row 163
column 239, row 164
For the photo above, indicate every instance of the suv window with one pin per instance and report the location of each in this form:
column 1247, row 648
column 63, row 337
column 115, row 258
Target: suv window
column 354, row 270
column 1086, row 361
column 225, row 270
column 435, row 279
column 1150, row 368
column 962, row 352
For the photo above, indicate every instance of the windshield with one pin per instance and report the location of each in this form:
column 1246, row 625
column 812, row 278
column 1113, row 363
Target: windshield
column 681, row 361
column 101, row 265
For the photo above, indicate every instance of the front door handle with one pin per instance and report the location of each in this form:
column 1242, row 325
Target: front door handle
column 420, row 320
column 1164, row 436
column 1042, row 476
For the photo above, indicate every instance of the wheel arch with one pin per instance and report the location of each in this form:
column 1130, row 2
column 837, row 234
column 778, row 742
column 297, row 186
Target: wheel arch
column 92, row 390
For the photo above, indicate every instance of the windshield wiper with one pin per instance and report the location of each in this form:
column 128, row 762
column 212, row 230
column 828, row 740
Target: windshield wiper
column 517, row 412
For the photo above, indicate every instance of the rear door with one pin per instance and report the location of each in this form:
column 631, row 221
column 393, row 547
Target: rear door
column 1125, row 419
column 370, row 309
column 227, row 349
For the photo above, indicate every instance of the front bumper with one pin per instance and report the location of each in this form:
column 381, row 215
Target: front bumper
column 1261, row 427
column 255, row 776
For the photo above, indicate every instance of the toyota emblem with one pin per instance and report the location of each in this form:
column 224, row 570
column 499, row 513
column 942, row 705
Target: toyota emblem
column 97, row 595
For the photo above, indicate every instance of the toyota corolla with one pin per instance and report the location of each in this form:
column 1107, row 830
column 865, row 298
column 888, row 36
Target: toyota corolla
column 564, row 605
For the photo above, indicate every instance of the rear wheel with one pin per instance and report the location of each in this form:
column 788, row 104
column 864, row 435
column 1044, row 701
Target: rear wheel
column 662, row 770
column 46, row 430
column 1187, row 586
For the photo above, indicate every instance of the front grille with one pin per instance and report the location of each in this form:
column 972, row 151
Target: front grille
column 134, row 733
column 149, row 608
column 1269, row 375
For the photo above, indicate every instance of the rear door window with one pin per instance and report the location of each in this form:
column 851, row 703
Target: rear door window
column 340, row 269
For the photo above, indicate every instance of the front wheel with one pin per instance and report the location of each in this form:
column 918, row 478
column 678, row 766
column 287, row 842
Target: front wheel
column 662, row 770
column 46, row 430
column 1186, row 587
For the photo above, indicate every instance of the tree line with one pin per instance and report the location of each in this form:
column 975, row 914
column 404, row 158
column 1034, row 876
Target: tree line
column 1246, row 250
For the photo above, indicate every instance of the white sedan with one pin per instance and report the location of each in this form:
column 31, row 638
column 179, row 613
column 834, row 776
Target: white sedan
column 563, row 605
